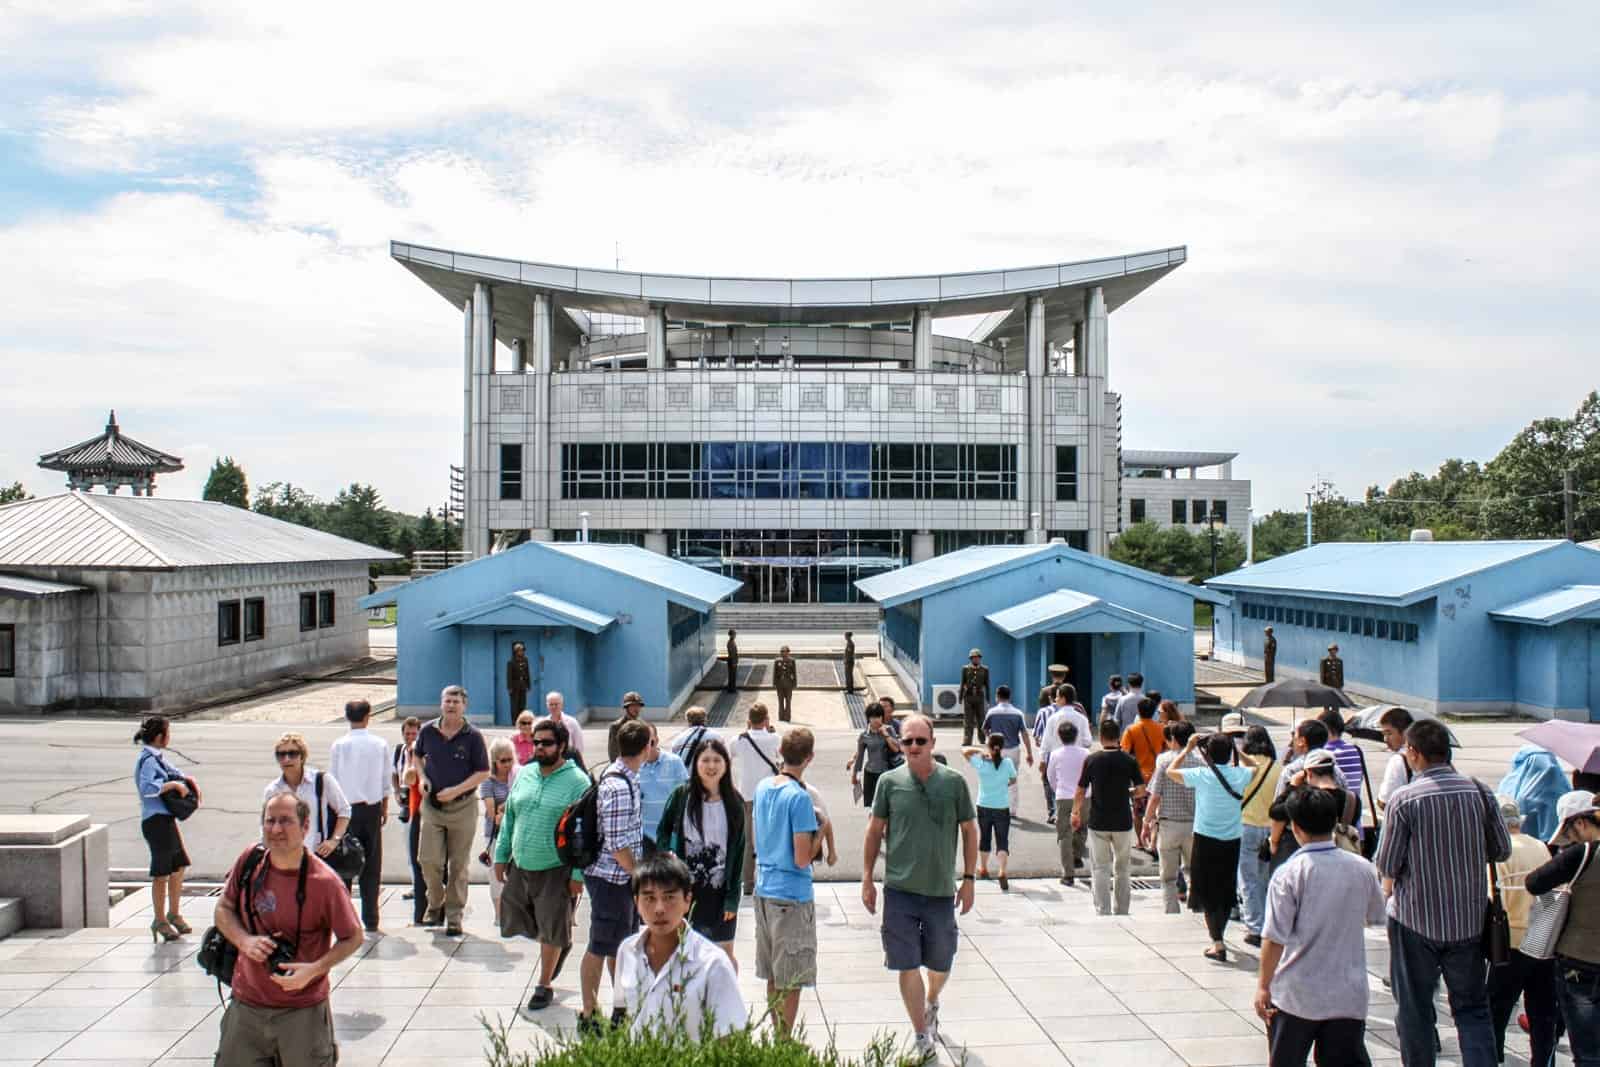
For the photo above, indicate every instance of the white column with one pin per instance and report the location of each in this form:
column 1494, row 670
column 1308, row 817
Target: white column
column 656, row 541
column 921, row 339
column 1033, row 365
column 1092, row 462
column 655, row 338
column 469, row 338
column 542, row 474
column 1094, row 333
column 921, row 546
column 479, row 468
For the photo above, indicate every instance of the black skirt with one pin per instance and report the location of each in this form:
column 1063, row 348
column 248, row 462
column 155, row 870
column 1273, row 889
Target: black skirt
column 166, row 845
column 705, row 914
column 1213, row 874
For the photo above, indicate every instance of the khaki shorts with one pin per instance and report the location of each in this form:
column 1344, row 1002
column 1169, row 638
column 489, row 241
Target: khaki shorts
column 252, row 1035
column 786, row 942
column 536, row 904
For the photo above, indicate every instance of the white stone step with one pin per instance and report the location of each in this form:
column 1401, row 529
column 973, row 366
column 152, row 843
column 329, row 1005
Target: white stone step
column 10, row 916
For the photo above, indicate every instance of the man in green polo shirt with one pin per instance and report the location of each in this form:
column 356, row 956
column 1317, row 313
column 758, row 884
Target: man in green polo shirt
column 920, row 806
column 540, row 891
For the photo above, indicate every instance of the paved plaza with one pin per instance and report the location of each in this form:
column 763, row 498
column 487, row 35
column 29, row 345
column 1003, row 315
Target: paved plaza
column 1038, row 980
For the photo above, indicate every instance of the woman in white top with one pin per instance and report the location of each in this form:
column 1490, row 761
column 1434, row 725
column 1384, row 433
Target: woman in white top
column 300, row 778
column 704, row 825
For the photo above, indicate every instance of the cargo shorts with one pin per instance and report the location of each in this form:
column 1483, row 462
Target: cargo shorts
column 786, row 942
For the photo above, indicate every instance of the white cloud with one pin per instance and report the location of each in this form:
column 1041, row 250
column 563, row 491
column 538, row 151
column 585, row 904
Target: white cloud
column 1383, row 219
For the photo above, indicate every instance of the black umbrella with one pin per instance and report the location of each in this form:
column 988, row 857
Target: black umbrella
column 1295, row 693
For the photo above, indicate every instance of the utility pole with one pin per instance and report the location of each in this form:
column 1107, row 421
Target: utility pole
column 1567, row 494
column 1211, row 525
column 1308, row 518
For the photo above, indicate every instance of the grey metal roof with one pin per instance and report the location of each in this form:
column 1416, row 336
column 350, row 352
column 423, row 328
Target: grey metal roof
column 798, row 300
column 154, row 533
column 1167, row 459
column 111, row 451
column 17, row 587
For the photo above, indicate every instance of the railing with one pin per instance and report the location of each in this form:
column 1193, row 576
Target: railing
column 432, row 561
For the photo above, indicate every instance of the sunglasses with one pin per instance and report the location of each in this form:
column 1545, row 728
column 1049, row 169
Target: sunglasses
column 917, row 741
column 505, row 759
column 539, row 742
column 287, row 754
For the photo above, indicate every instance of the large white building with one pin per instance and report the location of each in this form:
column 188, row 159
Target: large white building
column 1184, row 488
column 795, row 434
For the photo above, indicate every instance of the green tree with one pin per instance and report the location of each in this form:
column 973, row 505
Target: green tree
column 357, row 513
column 227, row 484
column 281, row 500
column 11, row 494
column 1279, row 533
column 1175, row 552
column 1525, row 480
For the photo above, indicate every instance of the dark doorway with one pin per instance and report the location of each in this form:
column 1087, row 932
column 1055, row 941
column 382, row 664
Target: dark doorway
column 1073, row 651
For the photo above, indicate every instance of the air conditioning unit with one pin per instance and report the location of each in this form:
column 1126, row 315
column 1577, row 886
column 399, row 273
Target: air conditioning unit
column 946, row 701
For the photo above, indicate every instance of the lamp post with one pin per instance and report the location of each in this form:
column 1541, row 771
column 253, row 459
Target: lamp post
column 1211, row 527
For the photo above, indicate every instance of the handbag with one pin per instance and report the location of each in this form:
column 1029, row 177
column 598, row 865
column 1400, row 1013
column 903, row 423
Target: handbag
column 1496, row 925
column 348, row 856
column 1547, row 918
column 179, row 806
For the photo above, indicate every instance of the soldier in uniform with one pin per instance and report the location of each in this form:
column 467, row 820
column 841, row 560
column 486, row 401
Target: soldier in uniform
column 518, row 678
column 1058, row 675
column 1269, row 655
column 1333, row 668
column 974, row 695
column 733, row 662
column 785, row 676
column 849, row 662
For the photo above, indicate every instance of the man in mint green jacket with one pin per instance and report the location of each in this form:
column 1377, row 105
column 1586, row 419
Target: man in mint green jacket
column 540, row 890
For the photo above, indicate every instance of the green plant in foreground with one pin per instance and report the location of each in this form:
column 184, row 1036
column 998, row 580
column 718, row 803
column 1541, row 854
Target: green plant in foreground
column 673, row 1047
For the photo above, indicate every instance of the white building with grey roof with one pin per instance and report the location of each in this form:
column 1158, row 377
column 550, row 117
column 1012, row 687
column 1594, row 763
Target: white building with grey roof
column 1186, row 488
column 147, row 603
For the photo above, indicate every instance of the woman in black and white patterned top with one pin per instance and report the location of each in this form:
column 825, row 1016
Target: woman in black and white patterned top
column 704, row 825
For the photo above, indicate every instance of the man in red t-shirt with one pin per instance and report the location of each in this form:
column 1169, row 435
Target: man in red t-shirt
column 293, row 898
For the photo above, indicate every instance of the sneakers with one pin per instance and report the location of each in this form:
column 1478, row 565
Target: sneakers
column 930, row 1020
column 1067, row 881
column 924, row 1050
column 618, row 1016
column 453, row 928
column 589, row 1025
column 542, row 996
column 1005, row 884
column 1253, row 940
column 433, row 918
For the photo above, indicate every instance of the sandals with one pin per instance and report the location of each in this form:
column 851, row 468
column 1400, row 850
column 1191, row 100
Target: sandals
column 1216, row 955
column 163, row 930
column 179, row 925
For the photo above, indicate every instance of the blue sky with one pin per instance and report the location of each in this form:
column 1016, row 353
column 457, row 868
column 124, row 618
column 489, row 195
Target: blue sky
column 1390, row 216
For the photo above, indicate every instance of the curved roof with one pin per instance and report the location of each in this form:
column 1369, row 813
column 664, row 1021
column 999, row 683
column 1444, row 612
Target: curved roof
column 768, row 300
column 1167, row 459
column 111, row 451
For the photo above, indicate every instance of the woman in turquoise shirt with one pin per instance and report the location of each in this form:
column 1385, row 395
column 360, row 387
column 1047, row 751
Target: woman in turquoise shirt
column 1214, row 864
column 995, row 775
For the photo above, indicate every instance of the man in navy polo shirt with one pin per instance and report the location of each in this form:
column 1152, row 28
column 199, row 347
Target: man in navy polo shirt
column 454, row 761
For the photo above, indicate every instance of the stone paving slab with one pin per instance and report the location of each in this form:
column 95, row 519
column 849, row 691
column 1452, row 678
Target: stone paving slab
column 1038, row 979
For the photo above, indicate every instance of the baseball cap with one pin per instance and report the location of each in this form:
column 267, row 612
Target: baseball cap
column 1233, row 723
column 1319, row 759
column 1569, row 807
column 1509, row 812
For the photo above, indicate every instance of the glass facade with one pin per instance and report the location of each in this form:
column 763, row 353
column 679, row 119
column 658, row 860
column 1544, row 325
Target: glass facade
column 793, row 566
column 787, row 470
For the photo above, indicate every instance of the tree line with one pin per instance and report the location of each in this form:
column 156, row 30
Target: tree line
column 1519, row 494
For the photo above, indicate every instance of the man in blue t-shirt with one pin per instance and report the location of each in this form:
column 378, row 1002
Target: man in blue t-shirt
column 1007, row 720
column 787, row 843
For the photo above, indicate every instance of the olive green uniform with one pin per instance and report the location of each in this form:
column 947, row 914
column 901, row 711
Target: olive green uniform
column 974, row 700
column 785, row 676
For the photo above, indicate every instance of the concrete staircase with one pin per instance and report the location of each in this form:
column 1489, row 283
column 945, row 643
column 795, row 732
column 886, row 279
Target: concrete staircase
column 790, row 618
column 10, row 916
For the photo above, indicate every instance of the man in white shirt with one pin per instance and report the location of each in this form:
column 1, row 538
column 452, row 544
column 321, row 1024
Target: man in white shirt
column 687, row 744
column 1062, row 711
column 668, row 974
column 555, row 704
column 1128, row 703
column 1398, row 772
column 755, row 759
column 360, row 763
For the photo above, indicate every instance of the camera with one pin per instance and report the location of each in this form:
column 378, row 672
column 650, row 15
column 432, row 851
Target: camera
column 282, row 954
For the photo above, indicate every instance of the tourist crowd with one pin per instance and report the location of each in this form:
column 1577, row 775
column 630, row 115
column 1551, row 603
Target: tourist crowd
column 664, row 841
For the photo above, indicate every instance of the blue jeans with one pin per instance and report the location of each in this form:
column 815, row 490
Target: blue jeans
column 1253, row 875
column 1416, row 964
column 1578, row 992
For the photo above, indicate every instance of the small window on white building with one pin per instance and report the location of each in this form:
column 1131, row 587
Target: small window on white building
column 1177, row 512
column 325, row 609
column 1136, row 510
column 8, row 651
column 255, row 618
column 228, row 622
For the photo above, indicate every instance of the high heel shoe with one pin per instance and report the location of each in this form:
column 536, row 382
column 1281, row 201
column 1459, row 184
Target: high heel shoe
column 179, row 925
column 162, row 929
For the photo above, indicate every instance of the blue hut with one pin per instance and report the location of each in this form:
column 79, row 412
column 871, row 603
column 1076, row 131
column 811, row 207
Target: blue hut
column 1027, row 606
column 597, row 620
column 1464, row 627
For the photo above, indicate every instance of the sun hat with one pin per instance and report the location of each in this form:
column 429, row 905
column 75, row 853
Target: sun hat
column 1233, row 723
column 1569, row 807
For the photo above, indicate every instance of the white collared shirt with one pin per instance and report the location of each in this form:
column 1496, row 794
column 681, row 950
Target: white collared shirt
column 332, row 797
column 360, row 763
column 574, row 731
column 697, row 978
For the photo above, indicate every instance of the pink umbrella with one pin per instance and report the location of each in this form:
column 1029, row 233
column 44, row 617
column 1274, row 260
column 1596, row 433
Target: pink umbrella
column 1576, row 742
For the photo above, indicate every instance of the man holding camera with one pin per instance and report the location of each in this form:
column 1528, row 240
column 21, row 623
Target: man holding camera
column 291, row 920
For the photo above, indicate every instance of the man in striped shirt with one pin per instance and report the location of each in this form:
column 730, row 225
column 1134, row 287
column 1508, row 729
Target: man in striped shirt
column 1441, row 833
column 1346, row 755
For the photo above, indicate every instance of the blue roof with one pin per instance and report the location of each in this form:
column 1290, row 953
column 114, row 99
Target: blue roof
column 1555, row 607
column 691, row 586
column 1390, row 572
column 969, row 564
column 521, row 608
column 1069, row 611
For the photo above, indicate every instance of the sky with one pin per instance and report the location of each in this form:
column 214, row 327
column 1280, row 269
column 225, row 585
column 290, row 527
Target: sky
column 1389, row 210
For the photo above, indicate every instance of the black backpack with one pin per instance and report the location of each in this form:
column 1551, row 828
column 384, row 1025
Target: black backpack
column 579, row 836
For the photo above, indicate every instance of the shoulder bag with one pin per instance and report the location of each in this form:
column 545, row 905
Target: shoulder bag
column 1496, row 924
column 1266, row 772
column 1232, row 792
column 752, row 743
column 1547, row 918
column 179, row 807
column 348, row 856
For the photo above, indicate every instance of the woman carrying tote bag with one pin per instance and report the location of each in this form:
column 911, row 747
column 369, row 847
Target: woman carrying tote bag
column 1571, row 918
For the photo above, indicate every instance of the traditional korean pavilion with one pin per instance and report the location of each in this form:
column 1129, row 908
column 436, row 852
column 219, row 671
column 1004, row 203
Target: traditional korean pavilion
column 112, row 460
